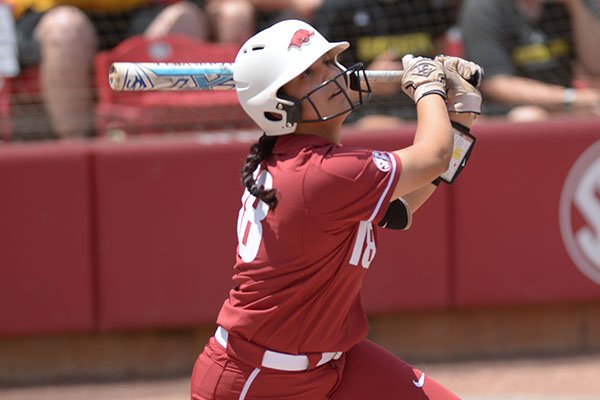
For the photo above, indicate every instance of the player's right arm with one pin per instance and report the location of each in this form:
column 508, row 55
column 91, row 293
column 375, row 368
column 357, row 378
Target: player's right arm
column 432, row 145
column 429, row 155
column 418, row 197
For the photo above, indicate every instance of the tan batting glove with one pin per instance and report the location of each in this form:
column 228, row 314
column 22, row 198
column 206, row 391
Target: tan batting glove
column 463, row 78
column 422, row 76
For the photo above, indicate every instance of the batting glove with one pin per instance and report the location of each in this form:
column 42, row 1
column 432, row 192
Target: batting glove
column 463, row 78
column 422, row 76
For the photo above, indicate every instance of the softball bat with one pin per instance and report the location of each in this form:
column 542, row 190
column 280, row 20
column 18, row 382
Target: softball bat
column 139, row 77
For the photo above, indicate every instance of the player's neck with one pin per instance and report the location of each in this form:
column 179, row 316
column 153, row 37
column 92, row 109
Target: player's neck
column 330, row 130
column 331, row 136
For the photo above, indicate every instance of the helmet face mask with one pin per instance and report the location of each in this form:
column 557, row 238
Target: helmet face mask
column 350, row 75
column 275, row 56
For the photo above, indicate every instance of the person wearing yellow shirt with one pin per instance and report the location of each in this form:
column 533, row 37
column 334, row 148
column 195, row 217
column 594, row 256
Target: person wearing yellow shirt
column 62, row 37
column 20, row 6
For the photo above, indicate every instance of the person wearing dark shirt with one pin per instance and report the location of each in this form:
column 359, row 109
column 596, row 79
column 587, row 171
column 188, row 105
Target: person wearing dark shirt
column 380, row 32
column 530, row 51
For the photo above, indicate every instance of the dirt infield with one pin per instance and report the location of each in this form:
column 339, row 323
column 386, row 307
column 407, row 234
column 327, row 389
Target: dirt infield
column 432, row 341
column 557, row 378
column 551, row 378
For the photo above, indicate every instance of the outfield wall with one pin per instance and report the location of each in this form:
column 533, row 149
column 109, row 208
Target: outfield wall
column 140, row 235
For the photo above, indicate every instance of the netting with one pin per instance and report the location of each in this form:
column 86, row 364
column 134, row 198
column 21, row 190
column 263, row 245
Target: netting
column 380, row 32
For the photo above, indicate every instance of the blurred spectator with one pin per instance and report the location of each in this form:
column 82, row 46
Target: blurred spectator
column 9, row 65
column 531, row 50
column 231, row 21
column 240, row 19
column 380, row 32
column 62, row 36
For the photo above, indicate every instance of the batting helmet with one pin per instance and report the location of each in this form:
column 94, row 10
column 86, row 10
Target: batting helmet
column 272, row 58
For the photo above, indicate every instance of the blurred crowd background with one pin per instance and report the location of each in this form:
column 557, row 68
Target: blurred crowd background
column 540, row 57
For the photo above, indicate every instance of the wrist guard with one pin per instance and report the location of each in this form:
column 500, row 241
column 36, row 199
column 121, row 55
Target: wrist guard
column 463, row 146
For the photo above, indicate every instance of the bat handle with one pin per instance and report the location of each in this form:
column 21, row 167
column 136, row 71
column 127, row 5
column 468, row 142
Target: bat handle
column 384, row 76
column 356, row 78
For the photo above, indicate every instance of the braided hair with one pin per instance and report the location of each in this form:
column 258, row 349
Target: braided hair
column 258, row 153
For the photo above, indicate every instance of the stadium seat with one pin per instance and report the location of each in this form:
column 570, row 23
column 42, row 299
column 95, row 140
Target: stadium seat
column 163, row 112
column 21, row 103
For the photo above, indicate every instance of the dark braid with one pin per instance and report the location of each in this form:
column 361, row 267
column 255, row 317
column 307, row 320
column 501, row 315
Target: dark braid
column 258, row 153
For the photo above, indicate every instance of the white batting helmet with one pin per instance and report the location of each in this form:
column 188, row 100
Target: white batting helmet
column 269, row 60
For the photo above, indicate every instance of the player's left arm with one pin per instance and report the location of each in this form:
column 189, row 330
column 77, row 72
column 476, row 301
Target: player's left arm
column 585, row 22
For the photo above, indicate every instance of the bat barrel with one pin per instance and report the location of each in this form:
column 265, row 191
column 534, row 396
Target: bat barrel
column 130, row 76
column 136, row 77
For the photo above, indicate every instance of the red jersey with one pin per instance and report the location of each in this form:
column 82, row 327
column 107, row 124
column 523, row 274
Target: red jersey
column 300, row 267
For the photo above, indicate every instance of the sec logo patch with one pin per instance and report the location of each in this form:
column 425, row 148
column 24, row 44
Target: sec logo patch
column 382, row 161
column 580, row 213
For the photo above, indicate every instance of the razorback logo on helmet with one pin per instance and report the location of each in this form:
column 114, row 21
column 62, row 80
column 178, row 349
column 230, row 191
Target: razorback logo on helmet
column 301, row 36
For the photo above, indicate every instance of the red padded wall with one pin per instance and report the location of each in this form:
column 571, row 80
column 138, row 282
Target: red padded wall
column 166, row 233
column 141, row 234
column 45, row 239
column 509, row 248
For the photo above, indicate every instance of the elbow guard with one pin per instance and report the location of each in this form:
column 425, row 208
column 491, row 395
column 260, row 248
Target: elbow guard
column 397, row 216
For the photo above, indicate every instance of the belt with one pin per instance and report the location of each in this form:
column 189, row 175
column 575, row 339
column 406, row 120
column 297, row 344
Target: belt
column 280, row 361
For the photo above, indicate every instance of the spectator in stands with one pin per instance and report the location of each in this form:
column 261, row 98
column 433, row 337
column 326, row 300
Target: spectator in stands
column 62, row 36
column 380, row 32
column 237, row 20
column 530, row 50
column 231, row 21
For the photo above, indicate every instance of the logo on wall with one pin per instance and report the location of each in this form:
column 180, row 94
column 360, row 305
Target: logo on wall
column 579, row 213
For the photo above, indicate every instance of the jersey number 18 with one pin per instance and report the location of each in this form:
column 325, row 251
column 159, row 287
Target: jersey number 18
column 364, row 245
column 249, row 225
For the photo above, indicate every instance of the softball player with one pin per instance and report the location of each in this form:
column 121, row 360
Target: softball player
column 293, row 327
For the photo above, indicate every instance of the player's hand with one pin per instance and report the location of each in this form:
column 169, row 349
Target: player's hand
column 422, row 76
column 468, row 70
column 463, row 78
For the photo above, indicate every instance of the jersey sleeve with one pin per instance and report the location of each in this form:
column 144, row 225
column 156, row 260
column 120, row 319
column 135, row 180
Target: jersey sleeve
column 350, row 184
